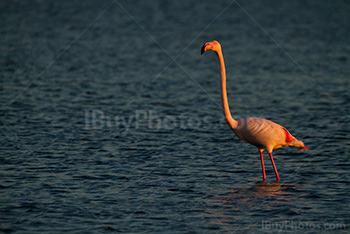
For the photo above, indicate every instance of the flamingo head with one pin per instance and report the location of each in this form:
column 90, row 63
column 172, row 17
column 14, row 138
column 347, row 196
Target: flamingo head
column 213, row 45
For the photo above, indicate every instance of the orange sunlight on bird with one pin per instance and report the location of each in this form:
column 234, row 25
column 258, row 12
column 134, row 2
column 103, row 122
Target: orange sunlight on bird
column 262, row 133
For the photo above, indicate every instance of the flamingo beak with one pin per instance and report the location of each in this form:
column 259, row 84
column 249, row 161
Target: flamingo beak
column 206, row 47
column 305, row 148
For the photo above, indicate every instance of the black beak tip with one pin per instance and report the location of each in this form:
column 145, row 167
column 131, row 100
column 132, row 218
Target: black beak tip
column 202, row 50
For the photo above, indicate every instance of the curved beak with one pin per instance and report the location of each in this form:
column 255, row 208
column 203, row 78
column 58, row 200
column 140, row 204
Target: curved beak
column 206, row 47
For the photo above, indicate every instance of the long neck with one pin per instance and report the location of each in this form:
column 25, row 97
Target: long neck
column 226, row 109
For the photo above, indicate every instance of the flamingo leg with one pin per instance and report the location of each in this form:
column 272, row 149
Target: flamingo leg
column 262, row 164
column 274, row 167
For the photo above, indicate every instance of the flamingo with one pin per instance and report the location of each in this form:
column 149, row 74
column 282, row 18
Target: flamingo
column 262, row 133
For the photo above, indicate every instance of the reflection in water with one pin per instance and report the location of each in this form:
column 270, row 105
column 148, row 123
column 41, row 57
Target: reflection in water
column 273, row 189
column 262, row 199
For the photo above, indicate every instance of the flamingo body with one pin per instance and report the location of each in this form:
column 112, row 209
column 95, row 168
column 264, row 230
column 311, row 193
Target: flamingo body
column 265, row 134
column 262, row 133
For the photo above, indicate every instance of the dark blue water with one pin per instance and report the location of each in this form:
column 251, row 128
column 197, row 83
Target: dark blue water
column 111, row 120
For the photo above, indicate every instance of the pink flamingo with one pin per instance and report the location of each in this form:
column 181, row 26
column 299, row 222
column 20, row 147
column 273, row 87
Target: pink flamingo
column 262, row 133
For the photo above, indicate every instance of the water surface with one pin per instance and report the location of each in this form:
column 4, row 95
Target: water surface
column 163, row 160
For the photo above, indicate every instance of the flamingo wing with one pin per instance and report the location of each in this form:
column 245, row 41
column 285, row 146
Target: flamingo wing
column 262, row 133
column 289, row 136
